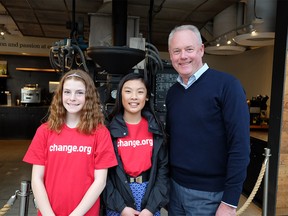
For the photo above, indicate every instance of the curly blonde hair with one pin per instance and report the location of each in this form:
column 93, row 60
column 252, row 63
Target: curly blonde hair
column 91, row 114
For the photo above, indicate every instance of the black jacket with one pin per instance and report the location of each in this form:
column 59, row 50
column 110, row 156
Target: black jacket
column 117, row 194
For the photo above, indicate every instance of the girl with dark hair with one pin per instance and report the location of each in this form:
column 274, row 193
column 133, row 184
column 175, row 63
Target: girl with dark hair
column 72, row 151
column 139, row 184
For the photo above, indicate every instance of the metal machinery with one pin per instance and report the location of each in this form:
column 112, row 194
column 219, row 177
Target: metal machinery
column 112, row 60
column 30, row 94
column 69, row 53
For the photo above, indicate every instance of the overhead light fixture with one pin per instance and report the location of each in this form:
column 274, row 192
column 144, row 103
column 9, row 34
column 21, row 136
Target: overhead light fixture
column 224, row 50
column 233, row 39
column 261, row 29
column 253, row 33
column 256, row 39
column 223, row 43
column 2, row 29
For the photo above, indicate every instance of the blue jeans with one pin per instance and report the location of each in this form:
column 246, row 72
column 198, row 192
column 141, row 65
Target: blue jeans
column 188, row 202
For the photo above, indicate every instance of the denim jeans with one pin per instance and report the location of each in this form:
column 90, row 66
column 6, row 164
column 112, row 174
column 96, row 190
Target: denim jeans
column 189, row 202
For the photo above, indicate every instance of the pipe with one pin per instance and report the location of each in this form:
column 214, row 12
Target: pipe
column 119, row 22
column 225, row 21
column 262, row 14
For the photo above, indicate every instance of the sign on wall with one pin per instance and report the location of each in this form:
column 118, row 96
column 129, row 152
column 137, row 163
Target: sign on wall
column 18, row 45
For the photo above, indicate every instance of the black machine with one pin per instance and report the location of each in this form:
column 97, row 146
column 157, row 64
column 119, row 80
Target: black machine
column 111, row 63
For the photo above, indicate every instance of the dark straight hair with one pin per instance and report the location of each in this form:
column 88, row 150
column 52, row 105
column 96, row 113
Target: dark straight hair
column 118, row 107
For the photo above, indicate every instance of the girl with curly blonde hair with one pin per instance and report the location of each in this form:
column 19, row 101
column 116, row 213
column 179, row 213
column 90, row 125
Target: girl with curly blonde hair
column 72, row 151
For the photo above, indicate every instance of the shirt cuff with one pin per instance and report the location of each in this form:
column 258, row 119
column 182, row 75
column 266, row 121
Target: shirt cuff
column 229, row 205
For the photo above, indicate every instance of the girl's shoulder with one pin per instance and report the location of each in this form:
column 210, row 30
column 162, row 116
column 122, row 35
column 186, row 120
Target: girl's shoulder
column 101, row 128
column 44, row 127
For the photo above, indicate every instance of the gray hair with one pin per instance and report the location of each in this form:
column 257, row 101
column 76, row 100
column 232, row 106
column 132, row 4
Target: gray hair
column 185, row 27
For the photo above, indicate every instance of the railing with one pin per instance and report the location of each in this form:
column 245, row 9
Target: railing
column 25, row 192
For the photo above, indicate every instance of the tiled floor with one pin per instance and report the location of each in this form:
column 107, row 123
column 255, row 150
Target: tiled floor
column 13, row 171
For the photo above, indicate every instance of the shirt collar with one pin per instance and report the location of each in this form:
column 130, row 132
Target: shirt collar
column 194, row 77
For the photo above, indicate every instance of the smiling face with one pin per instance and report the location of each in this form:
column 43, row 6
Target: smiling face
column 186, row 53
column 73, row 96
column 134, row 95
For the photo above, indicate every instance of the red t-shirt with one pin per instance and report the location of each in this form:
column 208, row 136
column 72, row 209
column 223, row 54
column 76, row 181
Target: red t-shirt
column 70, row 159
column 136, row 148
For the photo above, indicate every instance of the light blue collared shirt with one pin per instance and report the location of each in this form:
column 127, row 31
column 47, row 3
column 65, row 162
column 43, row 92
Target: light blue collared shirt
column 194, row 77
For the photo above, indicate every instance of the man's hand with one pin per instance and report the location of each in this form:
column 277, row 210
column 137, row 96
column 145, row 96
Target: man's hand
column 225, row 210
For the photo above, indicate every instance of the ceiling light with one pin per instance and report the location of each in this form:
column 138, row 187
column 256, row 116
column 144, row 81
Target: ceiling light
column 256, row 39
column 2, row 33
column 224, row 50
column 257, row 20
column 254, row 33
column 265, row 35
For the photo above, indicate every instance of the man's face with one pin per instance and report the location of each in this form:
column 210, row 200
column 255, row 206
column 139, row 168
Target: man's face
column 186, row 53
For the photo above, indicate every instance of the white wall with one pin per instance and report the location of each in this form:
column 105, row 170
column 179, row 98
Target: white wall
column 253, row 68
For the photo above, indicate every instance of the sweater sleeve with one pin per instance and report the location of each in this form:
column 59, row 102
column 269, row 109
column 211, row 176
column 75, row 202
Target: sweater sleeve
column 237, row 121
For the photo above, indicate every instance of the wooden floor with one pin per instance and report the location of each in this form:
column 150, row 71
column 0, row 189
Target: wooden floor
column 252, row 210
column 13, row 171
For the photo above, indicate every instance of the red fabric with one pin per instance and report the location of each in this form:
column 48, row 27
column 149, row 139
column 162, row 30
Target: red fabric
column 70, row 159
column 135, row 149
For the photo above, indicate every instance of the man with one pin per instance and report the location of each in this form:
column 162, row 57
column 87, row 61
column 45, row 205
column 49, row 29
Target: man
column 208, row 128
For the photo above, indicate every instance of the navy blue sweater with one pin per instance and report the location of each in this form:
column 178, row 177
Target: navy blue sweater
column 209, row 137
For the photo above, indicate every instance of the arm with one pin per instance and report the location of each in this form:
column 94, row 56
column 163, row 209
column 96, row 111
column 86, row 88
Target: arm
column 92, row 193
column 237, row 121
column 225, row 210
column 39, row 190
